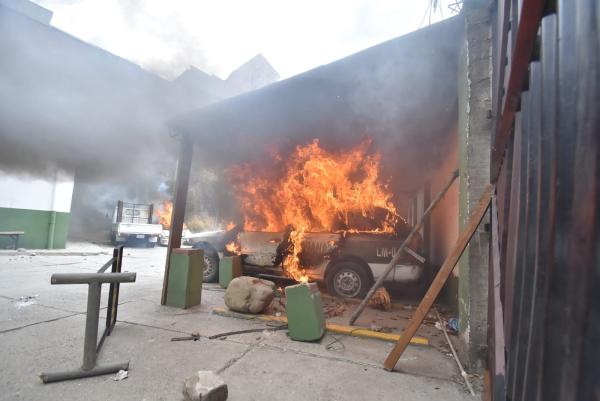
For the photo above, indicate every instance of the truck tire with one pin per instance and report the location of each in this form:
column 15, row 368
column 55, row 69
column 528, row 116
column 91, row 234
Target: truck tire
column 211, row 262
column 348, row 279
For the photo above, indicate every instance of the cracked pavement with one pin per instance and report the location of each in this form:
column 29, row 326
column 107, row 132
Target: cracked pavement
column 41, row 329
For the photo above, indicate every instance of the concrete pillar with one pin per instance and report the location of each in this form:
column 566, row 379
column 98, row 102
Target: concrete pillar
column 475, row 131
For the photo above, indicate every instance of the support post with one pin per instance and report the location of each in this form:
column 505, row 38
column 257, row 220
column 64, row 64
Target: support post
column 441, row 277
column 400, row 252
column 184, row 166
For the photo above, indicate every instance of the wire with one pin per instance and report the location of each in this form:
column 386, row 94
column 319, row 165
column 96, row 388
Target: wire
column 426, row 11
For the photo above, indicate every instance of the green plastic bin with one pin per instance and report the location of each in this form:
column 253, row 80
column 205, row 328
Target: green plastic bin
column 230, row 267
column 184, row 286
column 306, row 319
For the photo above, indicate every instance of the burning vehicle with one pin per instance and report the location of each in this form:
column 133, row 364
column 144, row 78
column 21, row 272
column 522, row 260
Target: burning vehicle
column 316, row 215
column 347, row 262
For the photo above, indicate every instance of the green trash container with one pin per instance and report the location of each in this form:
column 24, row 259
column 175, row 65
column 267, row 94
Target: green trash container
column 184, row 286
column 306, row 319
column 230, row 267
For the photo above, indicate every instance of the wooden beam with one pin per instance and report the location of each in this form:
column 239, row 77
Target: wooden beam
column 398, row 254
column 440, row 278
column 184, row 165
column 529, row 23
column 496, row 354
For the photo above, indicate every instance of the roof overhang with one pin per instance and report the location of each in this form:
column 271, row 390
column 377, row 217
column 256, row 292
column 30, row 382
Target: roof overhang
column 405, row 89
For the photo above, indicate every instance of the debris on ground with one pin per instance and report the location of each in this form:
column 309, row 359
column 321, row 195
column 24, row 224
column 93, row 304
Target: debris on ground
column 25, row 301
column 381, row 299
column 380, row 329
column 333, row 308
column 276, row 307
column 261, row 330
column 120, row 375
column 249, row 294
column 192, row 337
column 205, row 386
column 452, row 326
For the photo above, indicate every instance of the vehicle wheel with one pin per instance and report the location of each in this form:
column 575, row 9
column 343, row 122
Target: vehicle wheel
column 349, row 280
column 211, row 263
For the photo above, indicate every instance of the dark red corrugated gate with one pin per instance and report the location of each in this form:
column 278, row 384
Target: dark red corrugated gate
column 544, row 322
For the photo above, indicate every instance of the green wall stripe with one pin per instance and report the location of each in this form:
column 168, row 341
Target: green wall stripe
column 35, row 223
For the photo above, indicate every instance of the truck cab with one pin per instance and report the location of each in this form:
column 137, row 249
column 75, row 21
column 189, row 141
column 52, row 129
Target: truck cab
column 132, row 223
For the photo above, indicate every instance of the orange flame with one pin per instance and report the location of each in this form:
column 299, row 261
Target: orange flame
column 233, row 248
column 315, row 190
column 230, row 226
column 164, row 214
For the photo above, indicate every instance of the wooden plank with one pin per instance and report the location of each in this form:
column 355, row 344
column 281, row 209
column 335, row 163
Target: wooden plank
column 519, row 248
column 556, row 339
column 513, row 236
column 501, row 30
column 440, row 278
column 585, row 266
column 184, row 166
column 581, row 372
column 496, row 317
column 527, row 267
column 400, row 252
column 545, row 226
column 529, row 22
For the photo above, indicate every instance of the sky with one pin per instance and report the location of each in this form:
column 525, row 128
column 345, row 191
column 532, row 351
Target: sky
column 167, row 37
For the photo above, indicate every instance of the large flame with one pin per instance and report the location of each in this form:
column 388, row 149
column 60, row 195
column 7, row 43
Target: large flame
column 315, row 190
column 164, row 214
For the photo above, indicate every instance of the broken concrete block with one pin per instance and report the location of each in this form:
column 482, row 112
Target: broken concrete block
column 249, row 294
column 204, row 386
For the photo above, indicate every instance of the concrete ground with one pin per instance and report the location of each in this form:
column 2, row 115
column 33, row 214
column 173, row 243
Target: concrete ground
column 41, row 330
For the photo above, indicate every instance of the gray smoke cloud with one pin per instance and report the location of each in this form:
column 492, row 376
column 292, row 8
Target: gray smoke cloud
column 66, row 104
column 69, row 105
column 402, row 94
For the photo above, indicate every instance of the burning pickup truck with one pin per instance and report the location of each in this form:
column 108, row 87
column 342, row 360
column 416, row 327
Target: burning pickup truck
column 348, row 263
column 316, row 214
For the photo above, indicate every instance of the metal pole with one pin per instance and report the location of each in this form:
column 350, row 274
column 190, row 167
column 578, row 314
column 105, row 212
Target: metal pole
column 91, row 326
column 88, row 278
column 460, row 367
column 182, row 182
column 400, row 252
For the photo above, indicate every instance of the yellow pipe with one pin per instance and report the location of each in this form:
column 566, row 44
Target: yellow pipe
column 354, row 331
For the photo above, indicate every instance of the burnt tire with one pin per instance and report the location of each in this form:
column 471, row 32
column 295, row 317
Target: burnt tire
column 348, row 279
column 211, row 263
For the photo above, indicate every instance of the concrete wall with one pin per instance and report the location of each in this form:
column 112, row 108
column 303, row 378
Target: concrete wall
column 38, row 206
column 474, row 133
column 444, row 219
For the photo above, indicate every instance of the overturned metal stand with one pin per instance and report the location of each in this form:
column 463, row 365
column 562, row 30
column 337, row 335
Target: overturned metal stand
column 91, row 346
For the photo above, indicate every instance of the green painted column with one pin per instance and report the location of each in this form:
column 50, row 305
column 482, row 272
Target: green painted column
column 184, row 288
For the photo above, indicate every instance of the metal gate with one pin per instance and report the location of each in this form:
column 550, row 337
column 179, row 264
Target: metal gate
column 544, row 309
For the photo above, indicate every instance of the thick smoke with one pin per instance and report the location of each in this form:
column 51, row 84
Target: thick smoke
column 65, row 104
column 402, row 94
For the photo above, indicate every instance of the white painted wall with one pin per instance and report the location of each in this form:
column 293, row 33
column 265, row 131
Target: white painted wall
column 28, row 192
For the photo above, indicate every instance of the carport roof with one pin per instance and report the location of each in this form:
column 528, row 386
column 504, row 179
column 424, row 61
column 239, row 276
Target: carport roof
column 405, row 88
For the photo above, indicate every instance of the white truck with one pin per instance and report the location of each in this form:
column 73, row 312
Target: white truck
column 132, row 224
